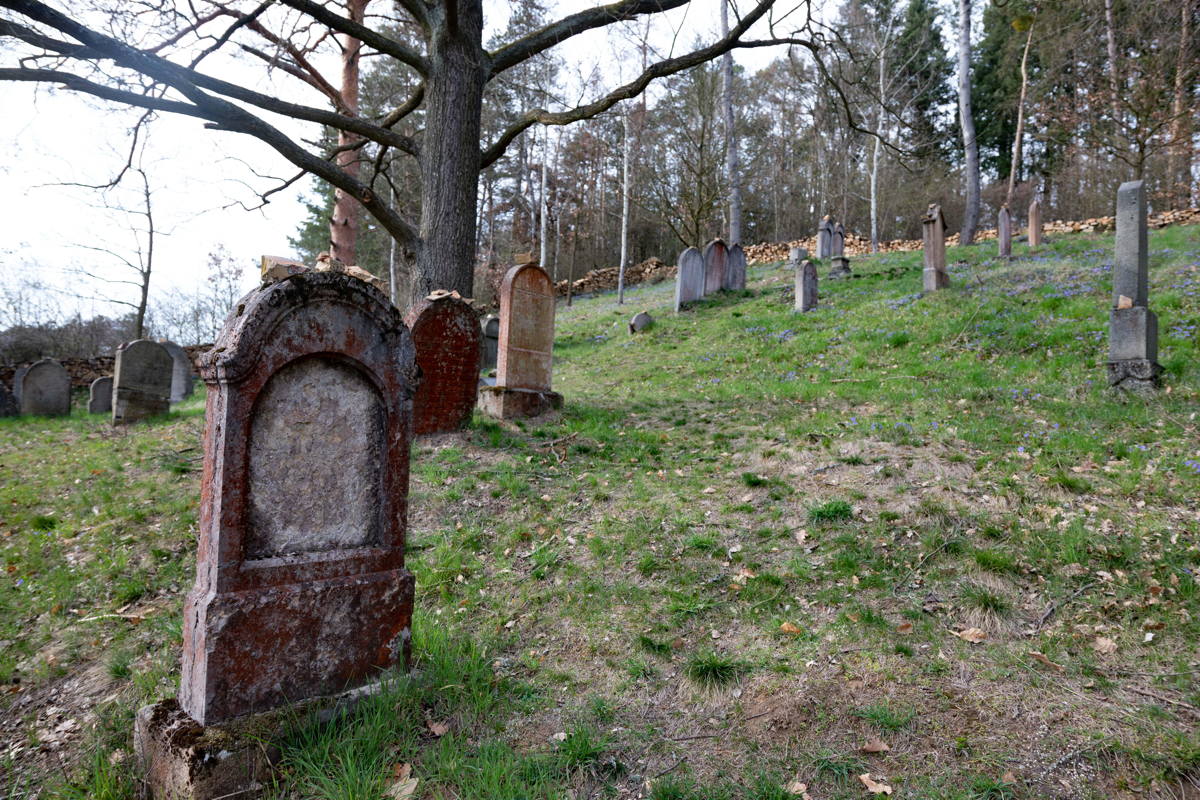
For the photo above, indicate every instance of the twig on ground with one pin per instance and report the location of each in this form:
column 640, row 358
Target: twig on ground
column 1146, row 693
column 1050, row 609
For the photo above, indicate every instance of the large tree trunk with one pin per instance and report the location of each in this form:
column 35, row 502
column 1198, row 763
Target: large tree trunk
column 731, row 138
column 971, row 212
column 450, row 150
column 1179, row 155
column 626, row 159
column 343, row 225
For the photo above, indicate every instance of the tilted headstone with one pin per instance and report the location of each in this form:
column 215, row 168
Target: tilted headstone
column 689, row 278
column 806, row 286
column 182, row 385
column 640, row 322
column 491, row 338
column 43, row 388
column 1133, row 327
column 933, row 231
column 837, row 246
column 447, row 339
column 825, row 237
column 301, row 589
column 1035, row 224
column 716, row 258
column 735, row 269
column 840, row 268
column 1004, row 232
column 9, row 407
column 141, row 381
column 100, row 395
column 525, row 351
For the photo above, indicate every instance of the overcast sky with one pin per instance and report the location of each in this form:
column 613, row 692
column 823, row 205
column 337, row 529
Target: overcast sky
column 201, row 179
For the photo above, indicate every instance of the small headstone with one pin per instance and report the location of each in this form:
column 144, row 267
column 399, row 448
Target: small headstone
column 1133, row 327
column 806, row 286
column 797, row 255
column 716, row 257
column 1035, row 224
column 840, row 268
column 100, row 395
column 933, row 231
column 525, row 350
column 9, row 407
column 735, row 269
column 825, row 237
column 1004, row 232
column 491, row 338
column 689, row 278
column 182, row 384
column 43, row 388
column 640, row 322
column 448, row 340
column 141, row 381
column 837, row 245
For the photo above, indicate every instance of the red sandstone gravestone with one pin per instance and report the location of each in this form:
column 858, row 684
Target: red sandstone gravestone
column 448, row 341
column 524, row 361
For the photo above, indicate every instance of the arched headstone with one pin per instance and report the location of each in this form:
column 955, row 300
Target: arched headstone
column 689, row 278
column 837, row 243
column 301, row 589
column 43, row 388
column 1035, row 224
column 825, row 237
column 806, row 286
column 525, row 351
column 491, row 341
column 447, row 339
column 735, row 269
column 182, row 384
column 141, row 381
column 100, row 395
column 716, row 256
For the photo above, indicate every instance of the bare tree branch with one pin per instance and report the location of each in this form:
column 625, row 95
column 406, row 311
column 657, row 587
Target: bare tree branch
column 383, row 44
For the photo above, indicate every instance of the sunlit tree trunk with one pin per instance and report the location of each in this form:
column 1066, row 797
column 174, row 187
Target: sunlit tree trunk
column 971, row 146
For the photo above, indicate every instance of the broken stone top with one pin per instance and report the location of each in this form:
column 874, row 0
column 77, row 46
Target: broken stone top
column 934, row 214
column 1131, row 267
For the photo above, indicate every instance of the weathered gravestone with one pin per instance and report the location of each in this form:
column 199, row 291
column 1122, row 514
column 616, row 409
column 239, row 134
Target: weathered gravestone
column 1004, row 232
column 8, row 403
column 640, row 322
column 491, row 339
column 141, row 381
column 100, row 395
column 837, row 243
column 182, row 385
column 840, row 268
column 933, row 231
column 301, row 589
column 797, row 255
column 806, row 286
column 43, row 388
column 825, row 237
column 716, row 258
column 689, row 278
column 525, row 351
column 735, row 269
column 1035, row 224
column 1133, row 327
column 448, row 339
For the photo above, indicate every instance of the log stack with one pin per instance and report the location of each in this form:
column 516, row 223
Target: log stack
column 652, row 270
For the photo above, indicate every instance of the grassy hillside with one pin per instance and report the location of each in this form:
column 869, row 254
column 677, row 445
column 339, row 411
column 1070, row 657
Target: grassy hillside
column 753, row 543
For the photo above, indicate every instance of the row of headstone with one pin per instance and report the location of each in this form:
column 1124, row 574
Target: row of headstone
column 718, row 268
column 1004, row 228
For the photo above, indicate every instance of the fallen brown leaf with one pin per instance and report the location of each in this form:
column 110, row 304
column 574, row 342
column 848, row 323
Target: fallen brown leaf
column 799, row 789
column 1041, row 659
column 875, row 746
column 904, row 628
column 788, row 627
column 438, row 728
column 874, row 787
column 972, row 635
column 1104, row 645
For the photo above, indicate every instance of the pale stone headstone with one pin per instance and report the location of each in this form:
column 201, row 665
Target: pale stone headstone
column 9, row 407
column 933, row 230
column 840, row 268
column 825, row 237
column 301, row 589
column 1133, row 327
column 1004, row 232
column 448, row 341
column 100, row 395
column 735, row 269
column 525, row 350
column 491, row 339
column 181, row 372
column 716, row 257
column 796, row 255
column 837, row 245
column 689, row 278
column 640, row 322
column 1035, row 224
column 43, row 388
column 806, row 286
column 141, row 381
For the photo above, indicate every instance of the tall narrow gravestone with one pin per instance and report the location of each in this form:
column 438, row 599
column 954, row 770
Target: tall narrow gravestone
column 716, row 258
column 447, row 339
column 1132, row 327
column 1035, row 224
column 825, row 237
column 525, row 353
column 43, row 388
column 182, row 385
column 141, row 381
column 806, row 286
column 735, row 269
column 933, row 230
column 100, row 395
column 689, row 278
column 837, row 242
column 1004, row 232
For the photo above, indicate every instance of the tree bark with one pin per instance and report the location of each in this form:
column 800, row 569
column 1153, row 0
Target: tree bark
column 343, row 225
column 1179, row 154
column 1114, row 74
column 732, row 170
column 967, row 121
column 1016, row 151
column 544, row 204
column 625, row 192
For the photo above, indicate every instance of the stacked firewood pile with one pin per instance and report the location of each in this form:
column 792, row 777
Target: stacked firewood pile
column 652, row 270
column 82, row 370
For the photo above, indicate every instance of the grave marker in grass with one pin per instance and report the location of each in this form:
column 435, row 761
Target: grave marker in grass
column 43, row 388
column 825, row 237
column 933, row 231
column 716, row 257
column 689, row 278
column 448, row 341
column 735, row 269
column 182, row 383
column 142, row 380
column 100, row 395
column 806, row 286
column 1035, row 224
column 1132, row 327
column 1004, row 232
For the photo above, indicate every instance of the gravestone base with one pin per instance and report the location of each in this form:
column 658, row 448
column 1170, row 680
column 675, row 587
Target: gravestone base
column 502, row 402
column 935, row 279
column 840, row 268
column 1135, row 375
